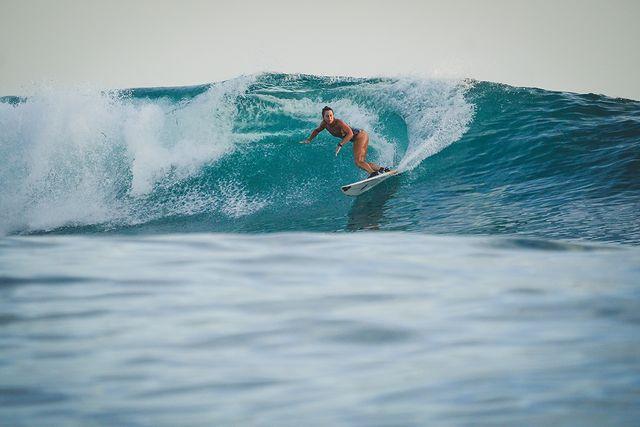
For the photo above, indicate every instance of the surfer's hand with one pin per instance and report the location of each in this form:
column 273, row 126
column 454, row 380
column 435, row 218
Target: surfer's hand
column 338, row 148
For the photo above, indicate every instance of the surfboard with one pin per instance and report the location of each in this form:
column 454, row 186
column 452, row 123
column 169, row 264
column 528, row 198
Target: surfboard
column 357, row 188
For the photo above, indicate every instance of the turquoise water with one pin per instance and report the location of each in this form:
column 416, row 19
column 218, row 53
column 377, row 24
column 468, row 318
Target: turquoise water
column 173, row 256
column 478, row 158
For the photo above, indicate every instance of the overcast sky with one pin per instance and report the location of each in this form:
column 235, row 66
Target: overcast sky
column 575, row 45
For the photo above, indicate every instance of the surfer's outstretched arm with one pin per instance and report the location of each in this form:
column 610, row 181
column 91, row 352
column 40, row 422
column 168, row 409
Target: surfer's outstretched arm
column 315, row 133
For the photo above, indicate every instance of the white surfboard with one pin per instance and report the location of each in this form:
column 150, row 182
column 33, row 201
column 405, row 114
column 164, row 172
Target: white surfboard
column 357, row 188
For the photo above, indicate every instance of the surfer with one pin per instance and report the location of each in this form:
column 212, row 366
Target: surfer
column 360, row 138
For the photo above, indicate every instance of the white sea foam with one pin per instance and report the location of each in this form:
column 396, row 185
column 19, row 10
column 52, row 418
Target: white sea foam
column 236, row 202
column 435, row 111
column 70, row 154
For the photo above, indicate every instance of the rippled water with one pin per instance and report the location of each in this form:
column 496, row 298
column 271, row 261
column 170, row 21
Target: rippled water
column 317, row 329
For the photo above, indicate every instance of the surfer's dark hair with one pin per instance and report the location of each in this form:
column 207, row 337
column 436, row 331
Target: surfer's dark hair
column 325, row 109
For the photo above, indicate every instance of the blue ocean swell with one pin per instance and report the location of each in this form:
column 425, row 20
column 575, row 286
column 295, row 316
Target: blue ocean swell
column 480, row 158
column 542, row 163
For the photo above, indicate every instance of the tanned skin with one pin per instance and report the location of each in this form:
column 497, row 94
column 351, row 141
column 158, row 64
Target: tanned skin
column 340, row 129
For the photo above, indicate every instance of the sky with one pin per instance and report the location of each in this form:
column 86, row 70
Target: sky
column 571, row 45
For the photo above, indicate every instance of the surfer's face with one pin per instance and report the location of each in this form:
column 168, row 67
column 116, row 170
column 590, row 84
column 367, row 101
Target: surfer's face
column 328, row 117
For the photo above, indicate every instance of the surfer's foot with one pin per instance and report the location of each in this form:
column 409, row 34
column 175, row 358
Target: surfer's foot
column 374, row 173
column 383, row 170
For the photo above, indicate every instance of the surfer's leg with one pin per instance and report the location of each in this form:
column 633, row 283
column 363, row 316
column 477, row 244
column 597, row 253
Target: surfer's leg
column 365, row 136
column 360, row 151
column 359, row 161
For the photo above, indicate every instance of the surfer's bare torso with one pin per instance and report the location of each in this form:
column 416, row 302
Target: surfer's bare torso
column 338, row 128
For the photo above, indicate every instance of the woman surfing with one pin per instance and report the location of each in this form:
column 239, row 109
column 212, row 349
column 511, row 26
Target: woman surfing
column 360, row 138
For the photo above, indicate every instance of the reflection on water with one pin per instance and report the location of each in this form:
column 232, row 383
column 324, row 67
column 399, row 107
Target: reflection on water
column 367, row 210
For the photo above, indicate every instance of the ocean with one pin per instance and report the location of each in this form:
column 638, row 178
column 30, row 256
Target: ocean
column 173, row 256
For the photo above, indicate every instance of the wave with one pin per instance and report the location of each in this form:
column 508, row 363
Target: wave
column 224, row 157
